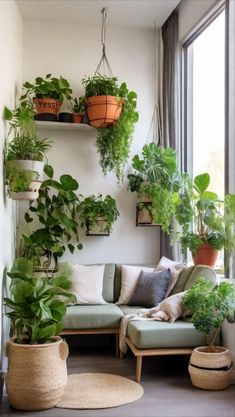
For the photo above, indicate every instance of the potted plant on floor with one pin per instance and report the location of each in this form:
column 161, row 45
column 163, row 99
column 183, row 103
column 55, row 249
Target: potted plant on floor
column 55, row 209
column 207, row 222
column 37, row 372
column 47, row 94
column 78, row 109
column 98, row 214
column 24, row 154
column 156, row 182
column 210, row 304
column 112, row 110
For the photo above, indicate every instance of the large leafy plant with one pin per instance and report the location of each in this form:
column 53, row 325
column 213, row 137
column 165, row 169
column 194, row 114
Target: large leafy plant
column 210, row 304
column 48, row 87
column 156, row 176
column 205, row 217
column 19, row 180
column 92, row 208
column 37, row 304
column 55, row 209
column 113, row 143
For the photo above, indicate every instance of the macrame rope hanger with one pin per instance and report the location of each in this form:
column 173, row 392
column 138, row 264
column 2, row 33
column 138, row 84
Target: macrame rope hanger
column 154, row 133
column 103, row 64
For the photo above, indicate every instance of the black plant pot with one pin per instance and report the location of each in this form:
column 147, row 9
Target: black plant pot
column 47, row 117
column 65, row 117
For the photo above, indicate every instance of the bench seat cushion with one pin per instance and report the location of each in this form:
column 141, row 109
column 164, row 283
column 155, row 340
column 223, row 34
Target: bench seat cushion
column 157, row 334
column 92, row 316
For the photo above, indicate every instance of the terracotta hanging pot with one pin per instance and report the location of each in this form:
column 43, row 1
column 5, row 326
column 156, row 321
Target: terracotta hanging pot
column 206, row 255
column 103, row 111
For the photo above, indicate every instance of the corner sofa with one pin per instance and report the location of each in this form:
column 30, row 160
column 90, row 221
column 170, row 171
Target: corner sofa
column 144, row 338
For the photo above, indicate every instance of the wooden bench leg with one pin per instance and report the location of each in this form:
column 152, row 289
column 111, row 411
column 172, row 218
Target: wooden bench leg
column 138, row 368
column 117, row 345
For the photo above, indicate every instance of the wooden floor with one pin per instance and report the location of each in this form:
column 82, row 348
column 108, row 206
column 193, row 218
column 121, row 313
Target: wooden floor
column 167, row 389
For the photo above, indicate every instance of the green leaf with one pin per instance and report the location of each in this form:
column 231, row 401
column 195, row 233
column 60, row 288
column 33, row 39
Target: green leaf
column 209, row 195
column 49, row 171
column 80, row 246
column 27, row 217
column 202, row 182
column 7, row 114
column 22, row 265
column 71, row 247
column 68, row 182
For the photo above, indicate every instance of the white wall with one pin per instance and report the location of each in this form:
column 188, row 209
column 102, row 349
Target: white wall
column 10, row 79
column 190, row 14
column 74, row 50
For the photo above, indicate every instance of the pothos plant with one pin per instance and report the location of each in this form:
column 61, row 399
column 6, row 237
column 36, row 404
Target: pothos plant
column 55, row 209
column 93, row 209
column 157, row 177
column 113, row 143
column 37, row 304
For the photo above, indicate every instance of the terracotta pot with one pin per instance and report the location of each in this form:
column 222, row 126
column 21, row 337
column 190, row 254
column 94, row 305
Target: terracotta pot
column 210, row 370
column 103, row 111
column 47, row 105
column 206, row 255
column 37, row 374
column 77, row 117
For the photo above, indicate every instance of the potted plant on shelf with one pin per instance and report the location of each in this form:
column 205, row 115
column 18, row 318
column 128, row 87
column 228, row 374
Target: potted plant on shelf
column 55, row 209
column 37, row 372
column 210, row 304
column 24, row 154
column 98, row 214
column 156, row 182
column 48, row 94
column 207, row 222
column 112, row 110
column 78, row 109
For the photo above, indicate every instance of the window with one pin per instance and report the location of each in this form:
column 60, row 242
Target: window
column 204, row 104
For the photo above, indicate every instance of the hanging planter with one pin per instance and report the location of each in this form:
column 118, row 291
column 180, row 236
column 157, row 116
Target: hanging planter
column 111, row 108
column 103, row 111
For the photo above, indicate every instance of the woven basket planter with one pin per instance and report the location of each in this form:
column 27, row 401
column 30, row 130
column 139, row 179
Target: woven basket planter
column 210, row 371
column 103, row 111
column 37, row 374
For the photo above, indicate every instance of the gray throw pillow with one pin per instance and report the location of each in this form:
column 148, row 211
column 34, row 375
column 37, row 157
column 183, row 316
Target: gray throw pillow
column 151, row 288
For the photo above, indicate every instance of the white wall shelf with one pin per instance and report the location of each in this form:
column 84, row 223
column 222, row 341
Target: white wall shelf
column 82, row 127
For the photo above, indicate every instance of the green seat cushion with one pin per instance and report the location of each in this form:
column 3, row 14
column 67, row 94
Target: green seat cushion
column 183, row 278
column 158, row 334
column 92, row 317
column 129, row 309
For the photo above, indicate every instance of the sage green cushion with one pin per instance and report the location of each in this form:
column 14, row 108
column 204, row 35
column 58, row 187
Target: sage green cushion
column 198, row 272
column 130, row 309
column 118, row 277
column 92, row 316
column 181, row 282
column 159, row 334
column 108, row 285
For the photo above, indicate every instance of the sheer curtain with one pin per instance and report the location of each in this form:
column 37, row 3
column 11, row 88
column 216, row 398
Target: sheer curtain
column 170, row 105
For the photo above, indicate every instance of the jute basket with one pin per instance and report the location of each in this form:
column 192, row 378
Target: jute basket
column 37, row 374
column 210, row 370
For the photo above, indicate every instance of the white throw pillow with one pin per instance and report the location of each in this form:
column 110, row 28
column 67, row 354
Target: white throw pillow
column 129, row 279
column 175, row 268
column 87, row 283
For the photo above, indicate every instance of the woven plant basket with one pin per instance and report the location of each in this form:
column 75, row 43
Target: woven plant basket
column 103, row 111
column 210, row 371
column 37, row 374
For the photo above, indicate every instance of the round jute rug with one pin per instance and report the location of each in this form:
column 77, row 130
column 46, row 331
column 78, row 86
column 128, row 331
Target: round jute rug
column 96, row 390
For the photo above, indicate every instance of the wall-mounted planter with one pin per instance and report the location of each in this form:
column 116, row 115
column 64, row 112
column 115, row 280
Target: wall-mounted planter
column 16, row 180
column 98, row 228
column 143, row 215
column 103, row 111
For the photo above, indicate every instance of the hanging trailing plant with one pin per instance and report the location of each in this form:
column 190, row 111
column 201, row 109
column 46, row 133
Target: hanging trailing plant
column 111, row 109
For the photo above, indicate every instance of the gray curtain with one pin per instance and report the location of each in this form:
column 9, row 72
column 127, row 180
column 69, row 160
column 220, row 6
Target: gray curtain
column 170, row 106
